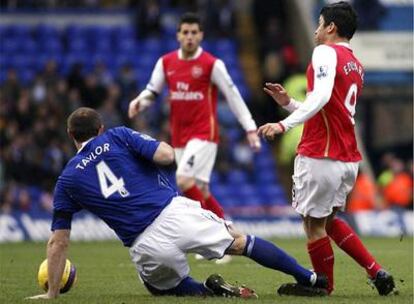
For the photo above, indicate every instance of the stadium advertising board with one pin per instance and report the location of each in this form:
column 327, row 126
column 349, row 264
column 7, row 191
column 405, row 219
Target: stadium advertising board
column 19, row 226
column 384, row 51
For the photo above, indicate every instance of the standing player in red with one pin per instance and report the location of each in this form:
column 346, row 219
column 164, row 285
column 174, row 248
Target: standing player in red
column 327, row 162
column 193, row 77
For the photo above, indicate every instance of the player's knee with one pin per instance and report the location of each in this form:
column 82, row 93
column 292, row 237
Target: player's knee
column 237, row 248
column 316, row 233
column 315, row 228
column 184, row 182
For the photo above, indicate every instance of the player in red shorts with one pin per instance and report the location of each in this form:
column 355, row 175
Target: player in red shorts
column 327, row 162
column 193, row 77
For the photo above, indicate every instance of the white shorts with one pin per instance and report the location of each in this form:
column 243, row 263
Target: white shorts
column 319, row 185
column 196, row 159
column 159, row 253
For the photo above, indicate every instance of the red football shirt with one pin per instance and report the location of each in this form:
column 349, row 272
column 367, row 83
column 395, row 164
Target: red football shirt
column 192, row 97
column 330, row 133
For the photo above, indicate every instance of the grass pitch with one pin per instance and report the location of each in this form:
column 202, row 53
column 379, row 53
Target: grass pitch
column 106, row 275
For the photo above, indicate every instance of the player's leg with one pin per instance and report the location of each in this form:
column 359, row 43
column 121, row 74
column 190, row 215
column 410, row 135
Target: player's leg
column 187, row 287
column 194, row 166
column 205, row 166
column 214, row 285
column 164, row 269
column 346, row 239
column 205, row 163
column 205, row 233
column 319, row 248
column 187, row 170
column 161, row 265
column 189, row 188
column 314, row 186
column 211, row 287
column 210, row 201
column 185, row 227
column 343, row 235
column 269, row 255
column 185, row 175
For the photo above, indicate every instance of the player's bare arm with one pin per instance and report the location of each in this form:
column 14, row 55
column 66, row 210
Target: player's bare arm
column 277, row 92
column 164, row 155
column 57, row 248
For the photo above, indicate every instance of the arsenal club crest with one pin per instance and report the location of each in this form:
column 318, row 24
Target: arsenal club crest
column 196, row 71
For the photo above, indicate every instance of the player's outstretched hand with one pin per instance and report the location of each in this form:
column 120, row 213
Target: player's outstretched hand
column 269, row 130
column 277, row 92
column 44, row 296
column 133, row 108
column 254, row 141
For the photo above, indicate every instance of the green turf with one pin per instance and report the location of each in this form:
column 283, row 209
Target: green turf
column 106, row 275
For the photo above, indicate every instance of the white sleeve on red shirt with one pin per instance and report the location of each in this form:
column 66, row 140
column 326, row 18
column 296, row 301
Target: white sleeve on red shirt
column 153, row 88
column 324, row 65
column 157, row 80
column 221, row 78
column 292, row 106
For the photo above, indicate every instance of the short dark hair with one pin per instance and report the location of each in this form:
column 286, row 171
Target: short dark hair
column 343, row 16
column 84, row 123
column 190, row 18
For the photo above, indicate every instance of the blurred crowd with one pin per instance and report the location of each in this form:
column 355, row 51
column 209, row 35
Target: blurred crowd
column 34, row 146
column 391, row 189
column 150, row 15
column 278, row 57
column 276, row 52
column 218, row 16
column 34, row 143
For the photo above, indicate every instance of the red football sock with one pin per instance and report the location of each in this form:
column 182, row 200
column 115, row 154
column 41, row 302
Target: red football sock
column 346, row 238
column 195, row 194
column 322, row 257
column 209, row 204
column 214, row 206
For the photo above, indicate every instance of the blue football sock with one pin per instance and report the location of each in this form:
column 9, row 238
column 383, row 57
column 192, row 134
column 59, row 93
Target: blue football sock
column 187, row 287
column 268, row 255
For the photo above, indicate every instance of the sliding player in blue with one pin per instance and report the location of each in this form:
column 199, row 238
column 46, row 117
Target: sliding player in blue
column 116, row 175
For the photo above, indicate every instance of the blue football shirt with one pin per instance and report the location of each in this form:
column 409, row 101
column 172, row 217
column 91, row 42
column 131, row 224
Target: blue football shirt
column 113, row 176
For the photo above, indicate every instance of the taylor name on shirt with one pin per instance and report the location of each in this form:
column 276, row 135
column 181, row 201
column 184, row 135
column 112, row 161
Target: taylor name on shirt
column 98, row 151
